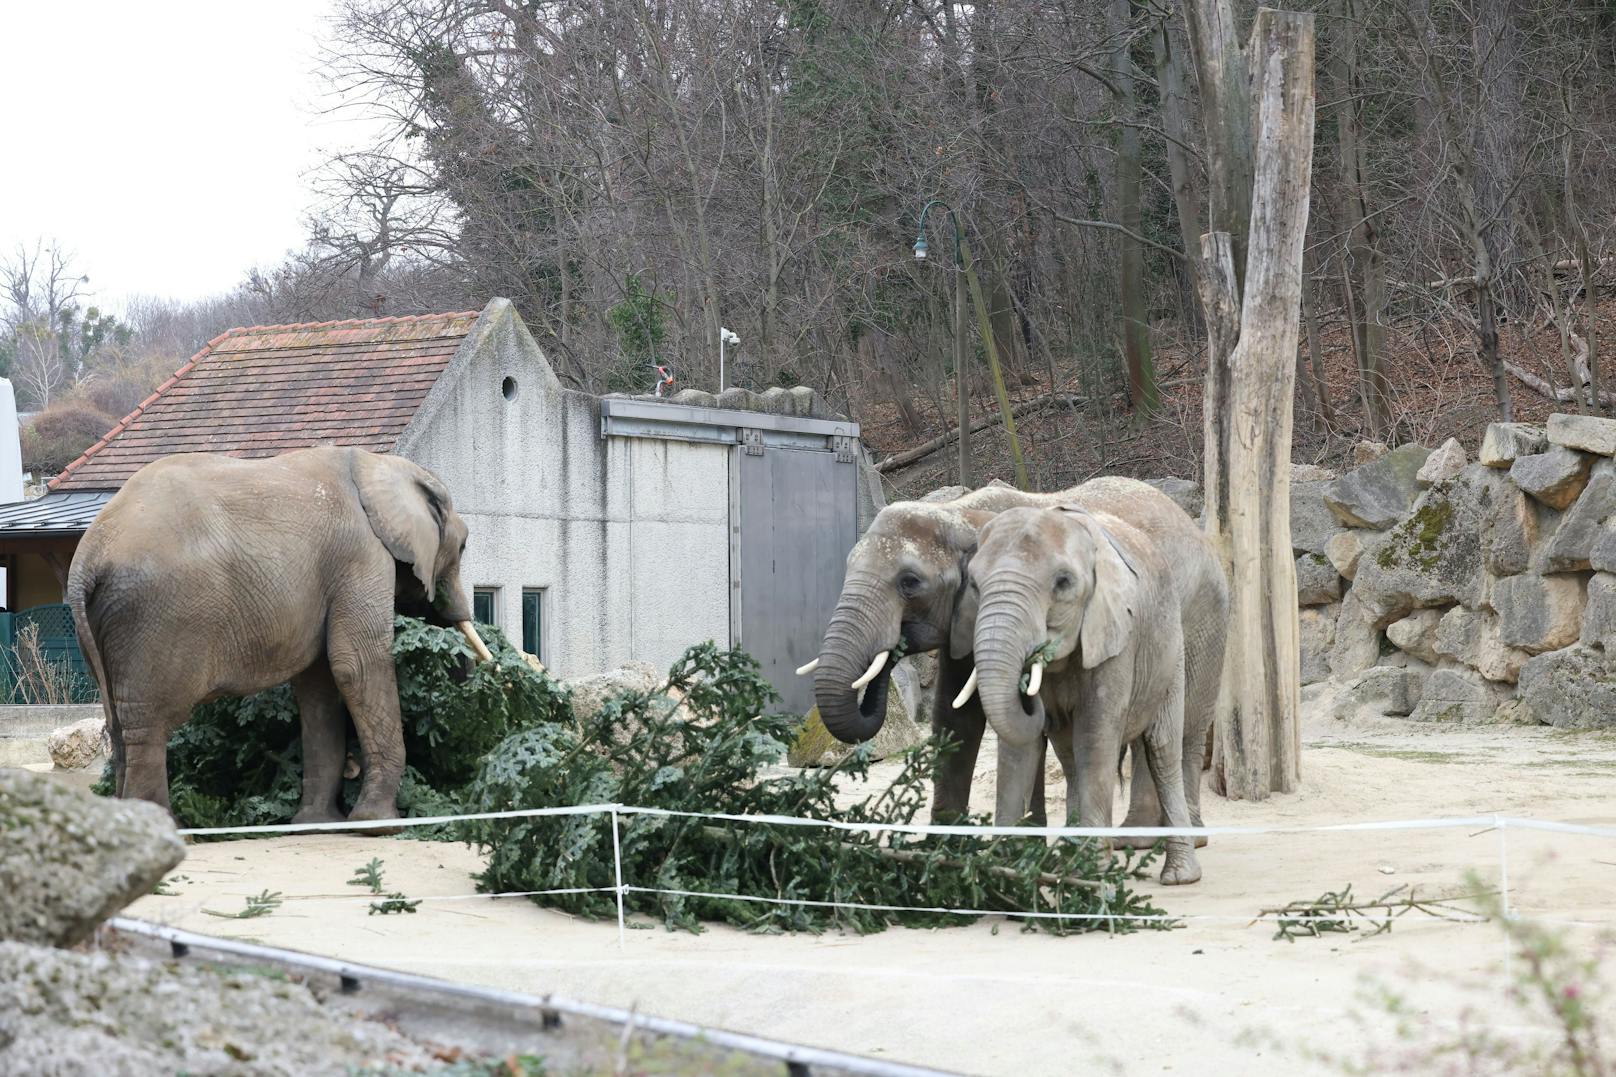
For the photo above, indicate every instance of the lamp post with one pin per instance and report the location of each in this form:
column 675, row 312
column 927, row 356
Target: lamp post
column 725, row 336
column 964, row 273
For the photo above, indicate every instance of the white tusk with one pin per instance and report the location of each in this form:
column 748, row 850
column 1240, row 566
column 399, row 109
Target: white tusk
column 476, row 641
column 803, row 671
column 1036, row 680
column 967, row 692
column 869, row 674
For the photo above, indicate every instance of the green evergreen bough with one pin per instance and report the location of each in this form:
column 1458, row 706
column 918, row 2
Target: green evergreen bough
column 640, row 750
column 503, row 736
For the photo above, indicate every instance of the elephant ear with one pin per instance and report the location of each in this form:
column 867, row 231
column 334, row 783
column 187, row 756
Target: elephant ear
column 406, row 508
column 962, row 625
column 1114, row 596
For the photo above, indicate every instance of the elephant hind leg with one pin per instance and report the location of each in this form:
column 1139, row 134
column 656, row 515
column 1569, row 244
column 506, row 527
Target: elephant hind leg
column 141, row 741
column 319, row 708
column 1163, row 752
column 360, row 657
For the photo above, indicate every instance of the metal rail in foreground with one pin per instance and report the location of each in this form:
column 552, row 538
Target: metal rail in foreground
column 799, row 1061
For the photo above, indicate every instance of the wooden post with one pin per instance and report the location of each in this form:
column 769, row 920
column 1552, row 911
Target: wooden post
column 1253, row 330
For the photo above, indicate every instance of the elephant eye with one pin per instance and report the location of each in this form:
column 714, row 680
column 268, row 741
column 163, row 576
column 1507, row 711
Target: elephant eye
column 1064, row 582
column 909, row 583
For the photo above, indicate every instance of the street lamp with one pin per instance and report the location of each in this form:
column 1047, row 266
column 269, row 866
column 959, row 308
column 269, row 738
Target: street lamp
column 963, row 274
column 921, row 249
column 725, row 336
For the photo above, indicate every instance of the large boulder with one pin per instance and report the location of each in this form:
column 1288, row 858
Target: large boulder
column 1433, row 557
column 69, row 859
column 1504, row 443
column 79, row 746
column 1599, row 615
column 1184, row 493
column 1472, row 637
column 1516, row 523
column 1313, row 525
column 1347, row 548
column 1589, row 433
column 1317, row 582
column 816, row 747
column 1379, row 690
column 1555, row 477
column 1457, row 696
column 1357, row 641
column 1582, row 526
column 1571, row 688
column 1443, row 464
column 1378, row 494
column 1316, row 629
column 1416, row 634
column 1539, row 613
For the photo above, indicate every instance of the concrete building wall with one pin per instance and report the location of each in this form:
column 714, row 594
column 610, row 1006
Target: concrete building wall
column 628, row 538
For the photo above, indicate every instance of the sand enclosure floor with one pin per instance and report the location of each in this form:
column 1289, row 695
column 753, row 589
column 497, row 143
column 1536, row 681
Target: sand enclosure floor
column 1218, row 995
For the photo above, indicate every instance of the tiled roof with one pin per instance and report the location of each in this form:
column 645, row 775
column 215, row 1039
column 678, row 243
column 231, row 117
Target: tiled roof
column 266, row 389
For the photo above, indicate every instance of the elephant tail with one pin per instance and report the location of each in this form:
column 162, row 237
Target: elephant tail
column 82, row 581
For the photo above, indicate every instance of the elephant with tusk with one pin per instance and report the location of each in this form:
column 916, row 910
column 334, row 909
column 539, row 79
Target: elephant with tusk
column 1100, row 630
column 209, row 576
column 901, row 594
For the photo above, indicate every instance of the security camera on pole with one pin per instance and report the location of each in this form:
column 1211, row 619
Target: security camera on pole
column 725, row 336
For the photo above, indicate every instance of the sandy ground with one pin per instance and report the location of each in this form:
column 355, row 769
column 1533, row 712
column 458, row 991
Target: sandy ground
column 1217, row 996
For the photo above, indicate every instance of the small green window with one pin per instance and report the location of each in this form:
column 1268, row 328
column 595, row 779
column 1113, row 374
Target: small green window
column 533, row 622
column 482, row 605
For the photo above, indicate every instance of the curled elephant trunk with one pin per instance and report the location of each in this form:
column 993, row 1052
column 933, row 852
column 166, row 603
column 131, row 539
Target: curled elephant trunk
column 469, row 630
column 859, row 631
column 1003, row 642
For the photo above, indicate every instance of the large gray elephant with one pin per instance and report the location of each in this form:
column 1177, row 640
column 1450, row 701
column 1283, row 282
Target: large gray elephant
column 208, row 576
column 901, row 595
column 1116, row 621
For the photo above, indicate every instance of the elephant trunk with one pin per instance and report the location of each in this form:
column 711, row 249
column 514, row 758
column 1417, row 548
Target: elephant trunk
column 865, row 623
column 1009, row 627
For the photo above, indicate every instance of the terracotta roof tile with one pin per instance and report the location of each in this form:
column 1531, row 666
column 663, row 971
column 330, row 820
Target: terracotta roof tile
column 262, row 390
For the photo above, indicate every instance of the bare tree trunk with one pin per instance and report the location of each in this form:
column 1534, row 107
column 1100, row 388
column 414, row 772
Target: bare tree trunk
column 1220, row 65
column 962, row 381
column 1313, row 376
column 1250, row 388
column 1175, row 109
column 1135, row 317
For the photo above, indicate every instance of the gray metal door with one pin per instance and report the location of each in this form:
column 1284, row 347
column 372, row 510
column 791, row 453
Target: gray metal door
column 795, row 516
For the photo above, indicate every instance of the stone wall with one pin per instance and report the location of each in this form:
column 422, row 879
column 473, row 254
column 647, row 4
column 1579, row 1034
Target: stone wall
column 1446, row 590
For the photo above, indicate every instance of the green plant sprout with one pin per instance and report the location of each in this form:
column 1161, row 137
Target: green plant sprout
column 259, row 904
column 370, row 875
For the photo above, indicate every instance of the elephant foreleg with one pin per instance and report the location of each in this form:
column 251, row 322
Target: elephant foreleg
column 951, row 787
column 319, row 708
column 361, row 663
column 1164, row 753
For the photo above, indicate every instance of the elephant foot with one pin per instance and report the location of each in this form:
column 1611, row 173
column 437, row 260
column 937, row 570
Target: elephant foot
column 364, row 812
column 308, row 814
column 1146, row 843
column 1181, row 868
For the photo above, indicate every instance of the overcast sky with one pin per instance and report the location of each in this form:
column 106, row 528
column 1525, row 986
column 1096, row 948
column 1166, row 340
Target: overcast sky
column 165, row 143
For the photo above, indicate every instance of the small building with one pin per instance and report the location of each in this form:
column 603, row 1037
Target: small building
column 602, row 529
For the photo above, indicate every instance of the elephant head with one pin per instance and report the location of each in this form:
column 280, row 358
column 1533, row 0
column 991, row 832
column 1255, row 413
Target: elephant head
column 900, row 596
column 410, row 512
column 1044, row 583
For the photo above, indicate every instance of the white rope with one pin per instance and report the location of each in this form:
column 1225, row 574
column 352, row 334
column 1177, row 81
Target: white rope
column 389, row 824
column 434, row 898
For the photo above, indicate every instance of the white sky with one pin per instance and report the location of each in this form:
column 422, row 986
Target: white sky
column 165, row 143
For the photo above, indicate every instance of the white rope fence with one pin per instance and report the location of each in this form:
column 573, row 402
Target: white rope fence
column 1502, row 824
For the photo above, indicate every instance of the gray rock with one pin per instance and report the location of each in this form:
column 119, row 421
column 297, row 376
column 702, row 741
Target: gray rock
column 1472, row 637
column 1316, row 626
column 1313, row 525
column 1367, row 452
column 1416, row 634
column 1516, row 523
column 1572, row 544
column 1602, row 556
column 1317, row 582
column 1460, row 696
column 69, row 859
column 1586, row 432
column 946, row 493
column 1378, row 494
column 1599, row 615
column 1504, row 443
column 1540, row 613
column 1185, row 494
column 65, row 1013
column 1432, row 558
column 1516, row 712
column 1571, row 689
column 1345, row 550
column 79, row 746
column 1357, row 640
column 1555, row 477
column 1379, row 690
column 1444, row 463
